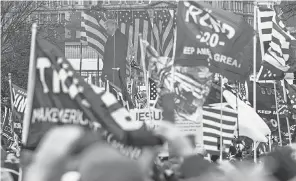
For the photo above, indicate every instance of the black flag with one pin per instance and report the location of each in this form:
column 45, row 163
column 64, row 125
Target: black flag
column 62, row 97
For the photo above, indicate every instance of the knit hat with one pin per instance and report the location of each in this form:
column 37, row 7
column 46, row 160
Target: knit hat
column 101, row 162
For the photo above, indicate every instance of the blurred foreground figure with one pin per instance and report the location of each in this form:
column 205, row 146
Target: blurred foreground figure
column 95, row 160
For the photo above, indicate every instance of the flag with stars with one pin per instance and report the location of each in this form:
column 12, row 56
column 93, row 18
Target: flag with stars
column 164, row 22
column 62, row 97
column 291, row 95
column 153, row 95
column 93, row 31
column 132, row 24
column 276, row 59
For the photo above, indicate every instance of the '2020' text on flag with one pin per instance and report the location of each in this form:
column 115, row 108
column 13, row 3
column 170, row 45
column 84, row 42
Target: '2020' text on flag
column 213, row 37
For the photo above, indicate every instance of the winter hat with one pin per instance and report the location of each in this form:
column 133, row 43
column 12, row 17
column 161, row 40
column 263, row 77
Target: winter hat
column 101, row 162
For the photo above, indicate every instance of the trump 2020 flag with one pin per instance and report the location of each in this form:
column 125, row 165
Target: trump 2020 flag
column 213, row 37
column 62, row 97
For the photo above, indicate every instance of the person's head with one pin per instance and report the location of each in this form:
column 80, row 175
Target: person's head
column 111, row 26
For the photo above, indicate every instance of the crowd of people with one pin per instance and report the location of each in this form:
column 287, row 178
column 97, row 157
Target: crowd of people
column 70, row 153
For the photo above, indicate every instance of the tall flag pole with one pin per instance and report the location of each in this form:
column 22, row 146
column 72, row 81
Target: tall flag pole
column 80, row 66
column 254, row 54
column 11, row 94
column 31, row 86
column 146, row 78
column 287, row 119
column 254, row 67
column 221, row 121
column 277, row 113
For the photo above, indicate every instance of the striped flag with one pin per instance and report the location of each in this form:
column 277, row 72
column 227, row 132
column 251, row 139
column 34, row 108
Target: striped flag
column 265, row 25
column 165, row 23
column 211, row 127
column 291, row 95
column 83, row 37
column 153, row 95
column 141, row 25
column 278, row 52
column 93, row 24
column 133, row 23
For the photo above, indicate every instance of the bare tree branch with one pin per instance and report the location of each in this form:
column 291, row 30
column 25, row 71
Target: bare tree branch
column 16, row 21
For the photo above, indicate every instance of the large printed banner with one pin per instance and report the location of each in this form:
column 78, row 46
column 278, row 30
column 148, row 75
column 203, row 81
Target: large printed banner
column 266, row 105
column 213, row 37
column 153, row 116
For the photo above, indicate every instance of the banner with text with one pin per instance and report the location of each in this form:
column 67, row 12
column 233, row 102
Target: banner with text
column 215, row 38
column 266, row 104
column 62, row 97
column 153, row 116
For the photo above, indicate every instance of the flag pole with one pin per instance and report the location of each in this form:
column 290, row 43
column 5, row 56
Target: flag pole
column 80, row 66
column 277, row 113
column 30, row 87
column 221, row 121
column 237, row 121
column 287, row 119
column 144, row 68
column 254, row 55
column 146, row 76
column 10, row 89
column 254, row 68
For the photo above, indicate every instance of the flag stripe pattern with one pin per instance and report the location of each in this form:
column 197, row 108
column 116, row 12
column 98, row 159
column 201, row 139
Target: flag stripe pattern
column 95, row 32
column 165, row 25
column 153, row 95
column 265, row 25
column 278, row 51
column 211, row 127
column 291, row 95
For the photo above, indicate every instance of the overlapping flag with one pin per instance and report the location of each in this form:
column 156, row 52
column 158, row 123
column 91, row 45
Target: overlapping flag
column 62, row 97
column 212, row 123
column 213, row 37
column 276, row 45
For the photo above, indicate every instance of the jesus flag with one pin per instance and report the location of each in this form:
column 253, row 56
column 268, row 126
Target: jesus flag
column 213, row 37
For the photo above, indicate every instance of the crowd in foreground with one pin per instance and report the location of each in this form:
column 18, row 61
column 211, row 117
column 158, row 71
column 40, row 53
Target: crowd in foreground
column 71, row 154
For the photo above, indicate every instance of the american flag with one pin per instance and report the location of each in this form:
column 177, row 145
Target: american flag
column 93, row 30
column 164, row 22
column 153, row 95
column 291, row 95
column 282, row 104
column 278, row 51
column 241, row 90
column 211, row 127
column 265, row 25
column 133, row 23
